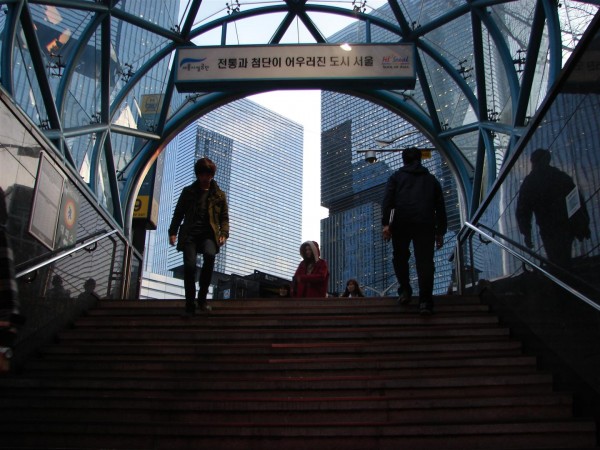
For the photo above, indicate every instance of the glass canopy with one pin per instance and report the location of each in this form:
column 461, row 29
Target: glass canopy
column 96, row 76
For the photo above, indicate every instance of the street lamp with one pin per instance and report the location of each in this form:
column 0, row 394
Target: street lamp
column 371, row 154
column 385, row 142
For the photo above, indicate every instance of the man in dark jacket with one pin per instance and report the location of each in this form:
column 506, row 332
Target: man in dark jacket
column 414, row 211
column 202, row 206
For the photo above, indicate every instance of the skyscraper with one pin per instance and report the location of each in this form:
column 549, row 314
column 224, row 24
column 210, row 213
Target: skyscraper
column 353, row 189
column 259, row 165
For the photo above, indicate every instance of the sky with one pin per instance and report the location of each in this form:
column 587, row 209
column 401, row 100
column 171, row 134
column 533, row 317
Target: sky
column 303, row 107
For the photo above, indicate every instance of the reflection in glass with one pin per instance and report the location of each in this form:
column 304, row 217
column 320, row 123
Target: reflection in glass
column 548, row 202
column 81, row 148
column 28, row 96
column 550, row 195
column 125, row 148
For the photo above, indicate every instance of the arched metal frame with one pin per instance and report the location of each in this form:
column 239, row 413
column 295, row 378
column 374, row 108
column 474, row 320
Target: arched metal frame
column 469, row 175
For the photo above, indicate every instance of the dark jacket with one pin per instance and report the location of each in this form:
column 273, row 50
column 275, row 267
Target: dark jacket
column 416, row 197
column 218, row 213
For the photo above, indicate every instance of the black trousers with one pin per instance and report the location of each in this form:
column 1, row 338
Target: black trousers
column 192, row 247
column 423, row 240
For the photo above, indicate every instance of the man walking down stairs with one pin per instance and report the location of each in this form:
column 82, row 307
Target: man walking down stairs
column 288, row 374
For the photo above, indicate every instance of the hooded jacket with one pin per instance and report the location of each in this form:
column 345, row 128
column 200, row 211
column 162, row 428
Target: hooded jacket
column 218, row 213
column 313, row 284
column 416, row 197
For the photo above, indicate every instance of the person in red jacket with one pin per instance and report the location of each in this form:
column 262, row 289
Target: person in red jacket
column 312, row 274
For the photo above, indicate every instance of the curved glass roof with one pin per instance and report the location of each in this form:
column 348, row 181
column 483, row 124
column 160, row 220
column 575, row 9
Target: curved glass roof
column 96, row 76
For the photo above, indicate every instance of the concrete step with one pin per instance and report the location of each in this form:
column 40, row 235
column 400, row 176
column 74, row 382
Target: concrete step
column 233, row 372
column 284, row 365
column 451, row 305
column 289, row 411
column 27, row 390
column 294, row 304
column 243, row 435
column 274, row 383
column 270, row 334
column 225, row 322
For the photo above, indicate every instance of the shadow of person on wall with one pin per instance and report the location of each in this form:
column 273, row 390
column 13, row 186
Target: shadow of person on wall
column 57, row 291
column 88, row 291
column 10, row 317
column 552, row 197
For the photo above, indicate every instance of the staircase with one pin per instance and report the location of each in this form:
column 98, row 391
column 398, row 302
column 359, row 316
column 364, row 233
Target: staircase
column 336, row 374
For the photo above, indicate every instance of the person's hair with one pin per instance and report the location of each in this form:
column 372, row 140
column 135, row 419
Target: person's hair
column 287, row 288
column 205, row 165
column 541, row 155
column 314, row 248
column 358, row 291
column 410, row 155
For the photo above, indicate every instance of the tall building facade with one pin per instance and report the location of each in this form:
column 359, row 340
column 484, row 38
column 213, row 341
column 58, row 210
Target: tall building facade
column 259, row 165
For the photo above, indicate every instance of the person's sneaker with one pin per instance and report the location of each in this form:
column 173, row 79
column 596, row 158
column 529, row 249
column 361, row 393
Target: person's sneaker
column 204, row 306
column 405, row 297
column 425, row 308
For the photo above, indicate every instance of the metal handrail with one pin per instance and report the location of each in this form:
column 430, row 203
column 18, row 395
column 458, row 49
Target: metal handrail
column 531, row 253
column 563, row 285
column 66, row 252
column 521, row 247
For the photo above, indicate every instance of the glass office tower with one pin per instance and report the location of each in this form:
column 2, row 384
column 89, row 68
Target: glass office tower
column 353, row 189
column 259, row 165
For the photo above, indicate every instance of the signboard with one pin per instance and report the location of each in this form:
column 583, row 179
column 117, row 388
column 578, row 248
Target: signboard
column 47, row 198
column 296, row 66
column 151, row 104
column 147, row 201
column 66, row 232
column 146, row 204
column 140, row 210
